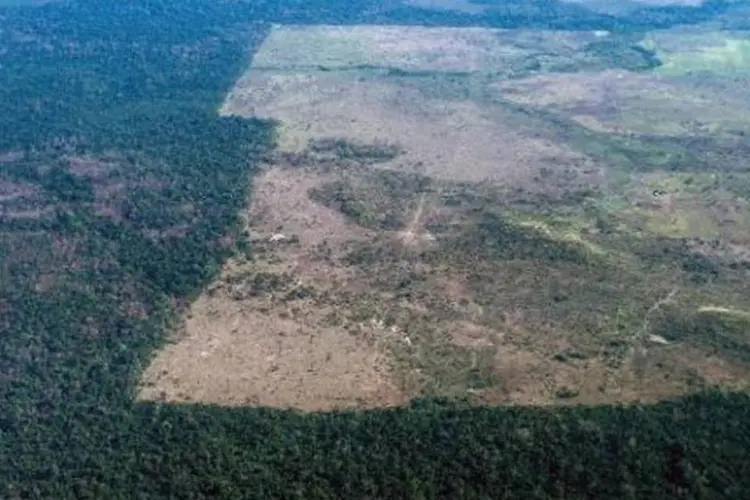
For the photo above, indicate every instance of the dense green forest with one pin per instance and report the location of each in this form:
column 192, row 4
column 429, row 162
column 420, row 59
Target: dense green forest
column 120, row 187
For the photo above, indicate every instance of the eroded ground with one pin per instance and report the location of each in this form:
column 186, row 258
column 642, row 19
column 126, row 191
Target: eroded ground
column 469, row 235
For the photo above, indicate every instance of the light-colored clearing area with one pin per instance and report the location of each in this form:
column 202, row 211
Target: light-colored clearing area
column 328, row 314
column 701, row 118
column 238, row 356
column 609, row 6
column 627, row 102
column 457, row 139
column 696, row 51
column 245, row 342
column 410, row 48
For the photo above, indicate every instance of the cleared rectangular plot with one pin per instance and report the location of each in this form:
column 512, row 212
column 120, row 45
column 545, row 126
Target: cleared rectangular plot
column 257, row 349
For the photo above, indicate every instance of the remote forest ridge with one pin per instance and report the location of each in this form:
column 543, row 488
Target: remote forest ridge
column 508, row 216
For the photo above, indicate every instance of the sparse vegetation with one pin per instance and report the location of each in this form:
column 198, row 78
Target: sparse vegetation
column 362, row 153
column 374, row 200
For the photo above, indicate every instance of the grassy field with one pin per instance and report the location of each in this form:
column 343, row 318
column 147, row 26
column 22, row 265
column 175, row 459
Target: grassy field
column 699, row 52
column 436, row 224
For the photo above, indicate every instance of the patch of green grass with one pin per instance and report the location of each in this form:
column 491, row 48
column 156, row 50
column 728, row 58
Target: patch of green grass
column 343, row 149
column 730, row 58
column 498, row 237
column 449, row 370
column 723, row 329
column 374, row 199
column 678, row 205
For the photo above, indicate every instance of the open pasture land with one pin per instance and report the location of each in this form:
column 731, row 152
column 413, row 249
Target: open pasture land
column 677, row 140
column 449, row 231
column 611, row 7
column 624, row 102
column 695, row 51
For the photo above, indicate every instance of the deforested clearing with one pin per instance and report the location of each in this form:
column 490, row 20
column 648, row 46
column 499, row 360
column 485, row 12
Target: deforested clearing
column 444, row 218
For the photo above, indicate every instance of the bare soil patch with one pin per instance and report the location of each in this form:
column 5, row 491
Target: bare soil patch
column 237, row 356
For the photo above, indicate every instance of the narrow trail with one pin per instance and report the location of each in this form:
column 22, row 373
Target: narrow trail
column 417, row 215
column 409, row 234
